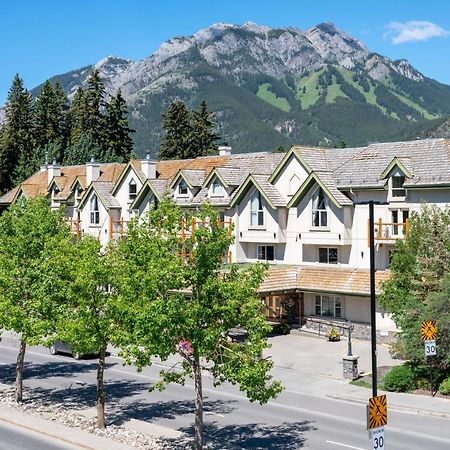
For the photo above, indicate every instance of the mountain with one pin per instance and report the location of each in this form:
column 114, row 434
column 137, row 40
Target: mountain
column 275, row 86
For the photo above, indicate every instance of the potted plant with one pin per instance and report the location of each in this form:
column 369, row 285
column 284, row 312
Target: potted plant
column 333, row 335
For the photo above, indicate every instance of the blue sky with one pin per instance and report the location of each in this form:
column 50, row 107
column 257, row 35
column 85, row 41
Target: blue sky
column 44, row 38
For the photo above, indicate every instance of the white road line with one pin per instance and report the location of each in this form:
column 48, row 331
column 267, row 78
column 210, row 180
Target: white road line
column 344, row 445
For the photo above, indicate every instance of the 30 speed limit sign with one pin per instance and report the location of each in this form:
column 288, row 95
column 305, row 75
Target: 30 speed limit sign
column 378, row 439
column 430, row 348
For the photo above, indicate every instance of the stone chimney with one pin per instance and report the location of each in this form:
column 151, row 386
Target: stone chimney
column 53, row 170
column 224, row 150
column 148, row 167
column 92, row 171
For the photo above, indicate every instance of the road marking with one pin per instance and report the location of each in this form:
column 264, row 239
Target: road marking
column 344, row 445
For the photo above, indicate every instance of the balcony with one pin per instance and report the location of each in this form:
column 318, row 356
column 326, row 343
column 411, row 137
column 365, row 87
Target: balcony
column 388, row 232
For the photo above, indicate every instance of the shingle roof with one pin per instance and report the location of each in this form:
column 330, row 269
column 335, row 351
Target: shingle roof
column 195, row 177
column 270, row 190
column 321, row 279
column 104, row 189
column 329, row 181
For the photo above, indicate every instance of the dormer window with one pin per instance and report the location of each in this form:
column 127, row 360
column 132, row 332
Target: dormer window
column 256, row 210
column 217, row 188
column 182, row 188
column 132, row 190
column 79, row 192
column 397, row 188
column 319, row 209
column 95, row 212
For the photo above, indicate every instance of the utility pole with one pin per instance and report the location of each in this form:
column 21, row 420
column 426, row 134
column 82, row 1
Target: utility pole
column 373, row 324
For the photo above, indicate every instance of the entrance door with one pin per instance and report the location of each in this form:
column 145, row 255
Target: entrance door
column 274, row 309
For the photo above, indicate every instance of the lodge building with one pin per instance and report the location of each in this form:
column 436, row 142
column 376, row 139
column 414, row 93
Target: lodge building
column 300, row 211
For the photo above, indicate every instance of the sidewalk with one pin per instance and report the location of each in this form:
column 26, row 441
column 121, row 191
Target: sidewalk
column 312, row 365
column 62, row 433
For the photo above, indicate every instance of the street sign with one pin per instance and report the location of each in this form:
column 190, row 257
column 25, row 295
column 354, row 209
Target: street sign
column 377, row 416
column 428, row 330
column 430, row 348
column 378, row 439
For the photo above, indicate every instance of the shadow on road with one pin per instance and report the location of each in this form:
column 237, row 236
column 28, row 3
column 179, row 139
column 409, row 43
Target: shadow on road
column 255, row 436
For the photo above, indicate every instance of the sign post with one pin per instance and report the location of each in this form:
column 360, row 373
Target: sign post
column 428, row 333
column 376, row 419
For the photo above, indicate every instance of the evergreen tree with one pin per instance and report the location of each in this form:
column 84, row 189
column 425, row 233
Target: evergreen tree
column 19, row 159
column 204, row 139
column 177, row 141
column 119, row 143
column 78, row 116
column 47, row 118
column 95, row 106
column 82, row 151
column 62, row 111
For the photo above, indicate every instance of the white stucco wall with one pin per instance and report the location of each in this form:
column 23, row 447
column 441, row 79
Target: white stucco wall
column 122, row 194
column 286, row 181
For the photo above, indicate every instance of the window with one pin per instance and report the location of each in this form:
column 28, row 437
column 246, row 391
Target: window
column 256, row 210
column 217, row 188
column 265, row 252
column 328, row 305
column 95, row 213
column 319, row 209
column 328, row 255
column 397, row 186
column 132, row 190
column 182, row 188
column 399, row 216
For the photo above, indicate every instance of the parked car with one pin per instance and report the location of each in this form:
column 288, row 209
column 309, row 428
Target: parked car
column 66, row 348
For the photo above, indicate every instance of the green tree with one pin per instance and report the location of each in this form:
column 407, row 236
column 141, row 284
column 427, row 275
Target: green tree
column 119, row 143
column 78, row 116
column 414, row 292
column 82, row 151
column 18, row 158
column 86, row 319
column 47, row 118
column 32, row 243
column 177, row 140
column 171, row 304
column 204, row 139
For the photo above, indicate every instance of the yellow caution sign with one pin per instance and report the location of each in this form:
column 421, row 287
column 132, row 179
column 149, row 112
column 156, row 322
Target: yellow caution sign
column 377, row 416
column 428, row 330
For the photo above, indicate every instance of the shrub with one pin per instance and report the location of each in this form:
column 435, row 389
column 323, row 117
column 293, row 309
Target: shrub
column 281, row 328
column 444, row 387
column 333, row 335
column 400, row 379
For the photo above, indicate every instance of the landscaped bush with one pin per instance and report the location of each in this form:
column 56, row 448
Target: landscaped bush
column 400, row 379
column 281, row 328
column 444, row 387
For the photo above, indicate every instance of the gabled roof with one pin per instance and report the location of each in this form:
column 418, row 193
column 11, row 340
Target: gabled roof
column 295, row 151
column 133, row 165
column 261, row 183
column 215, row 173
column 401, row 163
column 81, row 180
column 158, row 187
column 194, row 178
column 103, row 190
column 326, row 181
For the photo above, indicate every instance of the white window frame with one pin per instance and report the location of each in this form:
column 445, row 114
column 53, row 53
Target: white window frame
column 319, row 216
column 217, row 189
column 328, row 250
column 94, row 210
column 262, row 253
column 398, row 192
column 325, row 303
column 256, row 209
column 132, row 189
column 183, row 190
column 403, row 215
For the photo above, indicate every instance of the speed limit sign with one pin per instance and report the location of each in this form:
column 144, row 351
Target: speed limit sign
column 378, row 439
column 430, row 348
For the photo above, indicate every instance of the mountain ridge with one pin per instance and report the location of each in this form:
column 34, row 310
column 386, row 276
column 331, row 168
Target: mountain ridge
column 274, row 86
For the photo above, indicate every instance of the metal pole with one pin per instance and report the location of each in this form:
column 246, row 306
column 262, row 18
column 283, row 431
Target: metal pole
column 373, row 324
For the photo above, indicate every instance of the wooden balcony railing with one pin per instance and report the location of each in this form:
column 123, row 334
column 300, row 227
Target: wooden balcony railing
column 117, row 228
column 74, row 225
column 388, row 231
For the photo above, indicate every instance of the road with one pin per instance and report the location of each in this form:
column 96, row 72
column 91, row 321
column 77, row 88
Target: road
column 295, row 420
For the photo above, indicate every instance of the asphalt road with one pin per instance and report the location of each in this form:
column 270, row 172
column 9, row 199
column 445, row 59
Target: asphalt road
column 293, row 421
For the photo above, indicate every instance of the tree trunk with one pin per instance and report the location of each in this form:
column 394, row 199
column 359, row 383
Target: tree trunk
column 198, row 405
column 19, row 370
column 101, row 389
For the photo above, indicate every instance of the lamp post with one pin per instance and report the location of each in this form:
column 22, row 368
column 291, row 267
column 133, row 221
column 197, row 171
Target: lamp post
column 373, row 321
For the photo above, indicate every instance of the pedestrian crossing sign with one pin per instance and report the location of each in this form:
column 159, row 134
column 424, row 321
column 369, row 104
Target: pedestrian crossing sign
column 428, row 330
column 377, row 414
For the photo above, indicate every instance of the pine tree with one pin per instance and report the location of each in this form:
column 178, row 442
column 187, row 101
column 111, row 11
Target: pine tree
column 62, row 111
column 204, row 139
column 78, row 116
column 82, row 151
column 95, row 106
column 177, row 142
column 119, row 143
column 19, row 159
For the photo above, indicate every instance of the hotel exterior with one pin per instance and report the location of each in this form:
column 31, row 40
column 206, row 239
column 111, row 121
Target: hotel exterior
column 299, row 211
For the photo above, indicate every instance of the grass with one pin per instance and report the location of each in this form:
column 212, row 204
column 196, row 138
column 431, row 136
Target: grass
column 361, row 383
column 415, row 106
column 334, row 91
column 265, row 94
column 311, row 95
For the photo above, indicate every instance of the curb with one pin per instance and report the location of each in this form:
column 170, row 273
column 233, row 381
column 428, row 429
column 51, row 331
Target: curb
column 393, row 407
